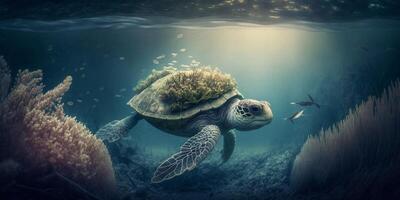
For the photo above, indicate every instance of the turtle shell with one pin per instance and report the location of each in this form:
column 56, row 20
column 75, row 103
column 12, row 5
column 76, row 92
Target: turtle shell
column 149, row 102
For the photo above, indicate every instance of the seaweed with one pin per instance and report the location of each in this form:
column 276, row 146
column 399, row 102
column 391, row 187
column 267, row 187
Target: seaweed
column 188, row 88
column 154, row 76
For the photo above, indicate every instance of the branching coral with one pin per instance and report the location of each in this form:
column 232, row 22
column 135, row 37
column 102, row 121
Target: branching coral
column 155, row 75
column 35, row 132
column 189, row 87
column 367, row 141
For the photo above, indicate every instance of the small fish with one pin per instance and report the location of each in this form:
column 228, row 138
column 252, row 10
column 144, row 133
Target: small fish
column 121, row 58
column 79, row 100
column 118, row 96
column 182, row 50
column 83, row 75
column 274, row 16
column 194, row 63
column 160, row 57
column 96, row 99
column 70, row 103
column 179, row 36
column 185, row 66
column 156, row 62
column 295, row 116
column 122, row 90
column 101, row 88
column 81, row 68
column 174, row 54
column 307, row 103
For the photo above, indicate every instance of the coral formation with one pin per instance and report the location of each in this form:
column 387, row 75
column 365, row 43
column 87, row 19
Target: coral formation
column 155, row 75
column 361, row 152
column 35, row 132
column 187, row 88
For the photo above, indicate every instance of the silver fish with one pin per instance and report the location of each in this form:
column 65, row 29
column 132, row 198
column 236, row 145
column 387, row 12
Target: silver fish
column 311, row 102
column 295, row 116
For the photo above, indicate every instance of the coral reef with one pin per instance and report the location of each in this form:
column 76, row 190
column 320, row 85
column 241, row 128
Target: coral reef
column 359, row 154
column 36, row 135
column 189, row 87
column 155, row 75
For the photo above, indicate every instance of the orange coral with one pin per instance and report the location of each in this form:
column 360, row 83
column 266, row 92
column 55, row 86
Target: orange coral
column 35, row 132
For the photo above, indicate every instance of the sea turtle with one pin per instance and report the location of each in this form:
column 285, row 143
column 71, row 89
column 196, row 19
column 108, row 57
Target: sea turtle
column 209, row 106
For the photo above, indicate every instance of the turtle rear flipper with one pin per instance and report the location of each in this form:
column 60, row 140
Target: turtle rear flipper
column 192, row 152
column 114, row 130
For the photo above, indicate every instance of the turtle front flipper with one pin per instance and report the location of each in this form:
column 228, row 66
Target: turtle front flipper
column 192, row 152
column 229, row 145
column 114, row 130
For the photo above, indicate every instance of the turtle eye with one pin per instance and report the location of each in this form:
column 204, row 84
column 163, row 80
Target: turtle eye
column 255, row 109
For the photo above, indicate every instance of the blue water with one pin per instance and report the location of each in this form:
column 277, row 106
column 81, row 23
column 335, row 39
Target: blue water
column 280, row 63
column 340, row 64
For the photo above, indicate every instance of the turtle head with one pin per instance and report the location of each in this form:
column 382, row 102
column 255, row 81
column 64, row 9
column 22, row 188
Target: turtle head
column 249, row 114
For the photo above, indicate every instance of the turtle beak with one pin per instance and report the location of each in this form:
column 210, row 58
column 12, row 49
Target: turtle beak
column 267, row 111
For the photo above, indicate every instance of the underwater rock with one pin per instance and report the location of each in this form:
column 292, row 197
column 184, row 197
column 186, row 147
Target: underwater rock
column 55, row 152
column 359, row 155
column 259, row 176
